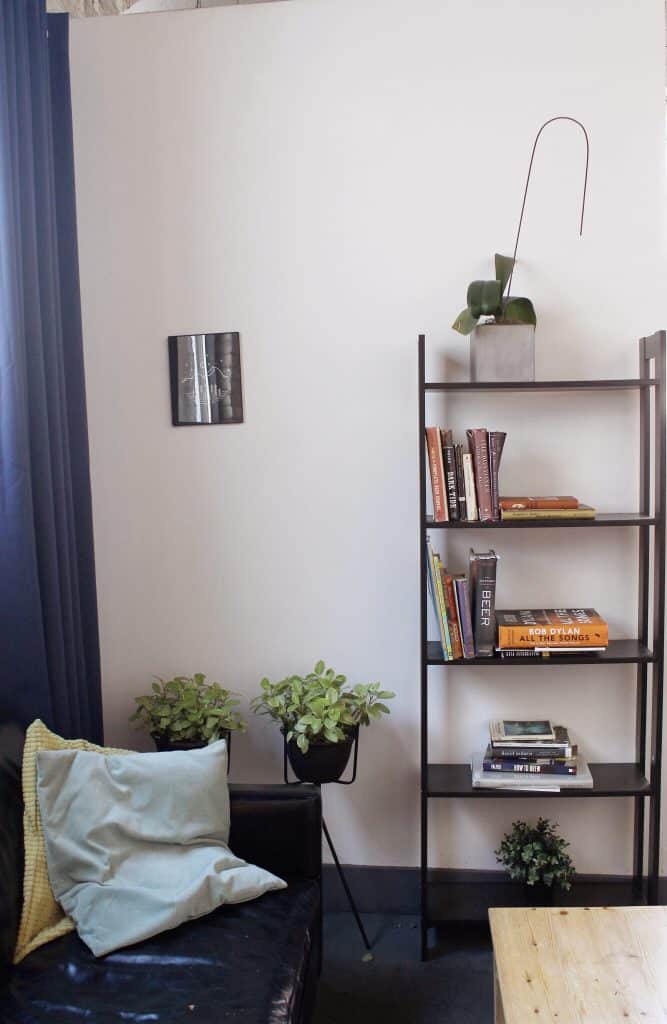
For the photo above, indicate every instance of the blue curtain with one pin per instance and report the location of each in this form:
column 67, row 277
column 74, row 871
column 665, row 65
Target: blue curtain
column 49, row 649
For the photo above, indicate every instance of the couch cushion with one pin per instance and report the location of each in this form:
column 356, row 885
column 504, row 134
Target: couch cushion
column 244, row 963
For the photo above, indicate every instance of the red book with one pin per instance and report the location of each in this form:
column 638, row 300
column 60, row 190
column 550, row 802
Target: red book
column 553, row 501
column 452, row 617
column 435, row 465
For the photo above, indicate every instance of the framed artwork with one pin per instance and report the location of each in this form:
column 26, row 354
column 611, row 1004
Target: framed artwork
column 205, row 372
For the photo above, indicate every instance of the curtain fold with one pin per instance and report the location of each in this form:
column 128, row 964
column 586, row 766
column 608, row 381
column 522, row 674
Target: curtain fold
column 49, row 649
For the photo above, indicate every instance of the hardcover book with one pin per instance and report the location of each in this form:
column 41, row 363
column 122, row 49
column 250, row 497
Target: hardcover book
column 465, row 615
column 552, row 627
column 460, row 482
column 449, row 458
column 496, row 445
column 551, row 501
column 437, row 471
column 471, row 491
column 435, row 587
column 479, row 446
column 509, row 730
column 483, row 590
column 581, row 512
column 452, row 617
column 581, row 779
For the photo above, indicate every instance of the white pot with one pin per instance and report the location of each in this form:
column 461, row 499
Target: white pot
column 502, row 352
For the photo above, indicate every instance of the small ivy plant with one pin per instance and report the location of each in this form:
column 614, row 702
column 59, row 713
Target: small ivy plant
column 319, row 708
column 536, row 854
column 188, row 709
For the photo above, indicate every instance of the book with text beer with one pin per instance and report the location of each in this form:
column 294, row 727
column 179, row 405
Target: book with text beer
column 551, row 628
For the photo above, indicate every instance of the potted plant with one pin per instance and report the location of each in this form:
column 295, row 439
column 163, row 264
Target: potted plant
column 502, row 346
column 186, row 712
column 537, row 857
column 320, row 718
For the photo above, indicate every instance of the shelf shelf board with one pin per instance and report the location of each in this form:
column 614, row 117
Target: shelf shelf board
column 602, row 519
column 619, row 652
column 454, row 780
column 627, row 384
column 449, row 901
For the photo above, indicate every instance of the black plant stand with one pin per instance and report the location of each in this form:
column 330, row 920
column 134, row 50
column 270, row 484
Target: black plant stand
column 327, row 834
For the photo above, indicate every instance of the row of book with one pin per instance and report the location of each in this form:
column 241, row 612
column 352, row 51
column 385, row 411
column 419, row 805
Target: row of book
column 563, row 506
column 464, row 605
column 469, row 625
column 529, row 754
column 464, row 483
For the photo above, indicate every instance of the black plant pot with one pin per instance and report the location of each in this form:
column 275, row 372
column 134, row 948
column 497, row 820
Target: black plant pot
column 539, row 895
column 164, row 744
column 324, row 762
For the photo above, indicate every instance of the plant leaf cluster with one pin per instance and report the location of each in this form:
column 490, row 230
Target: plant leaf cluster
column 319, row 708
column 188, row 709
column 536, row 854
column 487, row 298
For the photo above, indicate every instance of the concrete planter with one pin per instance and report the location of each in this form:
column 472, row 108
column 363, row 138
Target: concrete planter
column 502, row 352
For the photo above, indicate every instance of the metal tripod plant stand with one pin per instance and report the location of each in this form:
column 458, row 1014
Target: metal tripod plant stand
column 327, row 834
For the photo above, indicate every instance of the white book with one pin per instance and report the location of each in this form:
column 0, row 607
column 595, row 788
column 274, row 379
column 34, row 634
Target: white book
column 470, row 489
column 507, row 780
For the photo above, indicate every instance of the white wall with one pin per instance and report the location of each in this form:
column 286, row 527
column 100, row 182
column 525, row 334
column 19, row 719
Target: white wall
column 326, row 178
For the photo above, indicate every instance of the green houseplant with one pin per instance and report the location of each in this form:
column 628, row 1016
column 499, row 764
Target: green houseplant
column 187, row 712
column 319, row 717
column 536, row 856
column 488, row 299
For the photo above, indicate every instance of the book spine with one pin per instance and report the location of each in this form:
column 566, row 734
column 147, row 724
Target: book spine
column 496, row 445
column 452, row 617
column 585, row 512
column 437, row 565
column 527, row 652
column 483, row 577
column 460, row 482
column 449, row 459
column 479, row 444
column 529, row 769
column 471, row 492
column 465, row 617
column 553, row 501
column 211, row 373
column 433, row 576
column 522, row 637
column 436, row 468
column 561, row 750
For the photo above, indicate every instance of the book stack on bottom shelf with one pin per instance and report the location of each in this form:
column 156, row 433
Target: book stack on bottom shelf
column 531, row 754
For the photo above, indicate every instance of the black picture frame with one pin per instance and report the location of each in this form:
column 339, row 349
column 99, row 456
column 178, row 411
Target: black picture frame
column 205, row 379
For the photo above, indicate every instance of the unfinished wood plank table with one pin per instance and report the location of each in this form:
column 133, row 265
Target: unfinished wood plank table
column 580, row 965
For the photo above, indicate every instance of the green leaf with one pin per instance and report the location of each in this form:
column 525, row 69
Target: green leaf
column 516, row 310
column 465, row 322
column 319, row 668
column 504, row 268
column 483, row 298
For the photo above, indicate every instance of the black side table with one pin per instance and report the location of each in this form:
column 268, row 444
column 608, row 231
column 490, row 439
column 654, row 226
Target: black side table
column 327, row 834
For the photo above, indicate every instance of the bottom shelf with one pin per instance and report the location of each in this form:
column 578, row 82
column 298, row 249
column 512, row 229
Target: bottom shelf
column 453, row 901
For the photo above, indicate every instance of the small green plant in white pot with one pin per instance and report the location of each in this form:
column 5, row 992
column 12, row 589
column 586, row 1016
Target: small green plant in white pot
column 502, row 345
column 320, row 716
column 186, row 712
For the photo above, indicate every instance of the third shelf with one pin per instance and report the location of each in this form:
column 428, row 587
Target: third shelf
column 619, row 652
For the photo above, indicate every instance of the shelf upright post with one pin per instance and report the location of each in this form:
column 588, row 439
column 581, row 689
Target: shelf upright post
column 654, row 348
column 424, row 654
column 643, row 564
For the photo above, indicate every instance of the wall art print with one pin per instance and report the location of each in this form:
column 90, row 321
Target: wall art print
column 205, row 371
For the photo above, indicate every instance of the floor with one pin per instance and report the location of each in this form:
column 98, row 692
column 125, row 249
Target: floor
column 454, row 987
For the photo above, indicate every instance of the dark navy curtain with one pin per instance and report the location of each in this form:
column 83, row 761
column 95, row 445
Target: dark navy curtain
column 49, row 650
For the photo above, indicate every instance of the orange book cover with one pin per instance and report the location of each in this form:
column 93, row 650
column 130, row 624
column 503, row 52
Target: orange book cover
column 435, row 465
column 551, row 501
column 452, row 616
column 551, row 627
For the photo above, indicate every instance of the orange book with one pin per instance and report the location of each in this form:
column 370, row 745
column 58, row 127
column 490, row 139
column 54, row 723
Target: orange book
column 551, row 627
column 552, row 501
column 437, row 470
column 452, row 615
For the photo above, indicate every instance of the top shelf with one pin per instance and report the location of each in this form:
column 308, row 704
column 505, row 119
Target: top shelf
column 629, row 384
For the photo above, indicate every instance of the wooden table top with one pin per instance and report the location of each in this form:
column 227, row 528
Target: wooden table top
column 580, row 965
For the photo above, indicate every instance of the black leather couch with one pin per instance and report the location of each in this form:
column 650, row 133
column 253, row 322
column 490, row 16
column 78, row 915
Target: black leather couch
column 255, row 963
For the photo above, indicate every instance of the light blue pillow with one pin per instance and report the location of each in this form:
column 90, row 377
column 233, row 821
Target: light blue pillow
column 137, row 843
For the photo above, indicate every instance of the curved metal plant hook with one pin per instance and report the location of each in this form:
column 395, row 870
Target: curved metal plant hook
column 560, row 117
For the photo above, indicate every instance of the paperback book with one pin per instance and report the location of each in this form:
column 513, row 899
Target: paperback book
column 549, row 628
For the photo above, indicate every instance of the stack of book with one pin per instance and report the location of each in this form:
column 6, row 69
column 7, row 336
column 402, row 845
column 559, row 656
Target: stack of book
column 531, row 754
column 544, row 632
column 553, row 507
column 464, row 605
column 464, row 482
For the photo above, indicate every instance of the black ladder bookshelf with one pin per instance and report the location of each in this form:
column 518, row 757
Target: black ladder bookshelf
column 639, row 780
